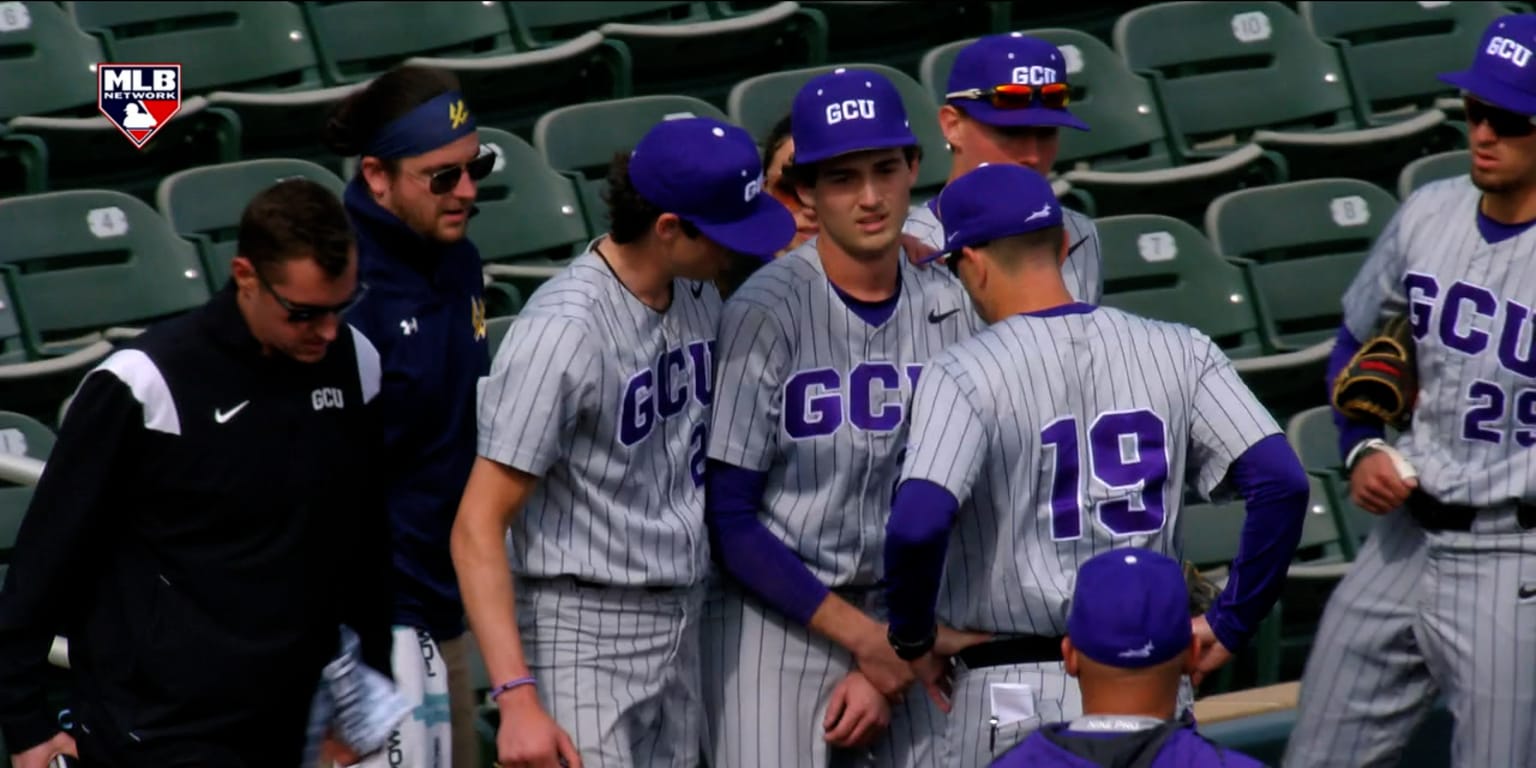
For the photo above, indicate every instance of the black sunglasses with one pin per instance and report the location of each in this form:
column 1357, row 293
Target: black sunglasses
column 442, row 182
column 307, row 313
column 1503, row 123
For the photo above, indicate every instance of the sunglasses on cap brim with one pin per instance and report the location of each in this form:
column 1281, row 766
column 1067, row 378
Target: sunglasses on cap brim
column 1014, row 96
column 444, row 181
column 1504, row 123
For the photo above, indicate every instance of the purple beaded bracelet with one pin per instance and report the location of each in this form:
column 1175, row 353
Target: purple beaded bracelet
column 510, row 684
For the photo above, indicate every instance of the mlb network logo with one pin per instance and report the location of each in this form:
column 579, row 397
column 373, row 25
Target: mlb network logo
column 138, row 98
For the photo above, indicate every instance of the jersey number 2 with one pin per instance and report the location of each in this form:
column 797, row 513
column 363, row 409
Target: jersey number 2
column 1127, row 456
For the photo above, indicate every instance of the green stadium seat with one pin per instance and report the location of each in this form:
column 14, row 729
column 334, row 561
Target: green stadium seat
column 20, row 435
column 504, row 85
column 530, row 222
column 758, row 102
column 1163, row 268
column 1302, row 244
column 35, row 383
column 255, row 60
column 204, row 204
column 1209, row 535
column 894, row 33
column 580, row 141
column 1127, row 163
column 48, row 100
column 1396, row 50
column 1253, row 71
column 1422, row 171
column 496, row 330
column 698, row 49
column 91, row 262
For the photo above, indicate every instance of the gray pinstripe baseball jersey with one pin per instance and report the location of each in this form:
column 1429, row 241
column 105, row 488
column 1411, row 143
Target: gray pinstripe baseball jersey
column 1069, row 435
column 608, row 401
column 1083, row 271
column 1471, row 305
column 1453, row 613
column 1063, row 434
column 815, row 397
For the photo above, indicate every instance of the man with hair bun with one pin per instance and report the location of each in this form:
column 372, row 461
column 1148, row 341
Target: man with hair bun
column 419, row 157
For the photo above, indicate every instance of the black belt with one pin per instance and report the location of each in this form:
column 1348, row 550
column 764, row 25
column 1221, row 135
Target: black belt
column 1433, row 515
column 653, row 589
column 1023, row 649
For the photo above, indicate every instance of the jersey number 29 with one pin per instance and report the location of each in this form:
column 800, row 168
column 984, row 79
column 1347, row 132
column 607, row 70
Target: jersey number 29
column 1128, row 460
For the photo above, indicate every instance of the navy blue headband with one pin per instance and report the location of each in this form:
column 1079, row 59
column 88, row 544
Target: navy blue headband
column 430, row 125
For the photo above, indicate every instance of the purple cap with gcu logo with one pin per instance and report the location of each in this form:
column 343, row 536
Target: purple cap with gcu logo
column 993, row 202
column 848, row 110
column 709, row 173
column 1011, row 59
column 1130, row 609
column 1502, row 73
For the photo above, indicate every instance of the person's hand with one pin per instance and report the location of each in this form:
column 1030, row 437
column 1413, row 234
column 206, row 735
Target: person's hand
column 528, row 737
column 881, row 666
column 38, row 756
column 856, row 714
column 949, row 642
column 917, row 250
column 1212, row 654
column 1375, row 486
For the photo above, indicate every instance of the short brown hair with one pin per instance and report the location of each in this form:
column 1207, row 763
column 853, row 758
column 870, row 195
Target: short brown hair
column 293, row 219
column 630, row 216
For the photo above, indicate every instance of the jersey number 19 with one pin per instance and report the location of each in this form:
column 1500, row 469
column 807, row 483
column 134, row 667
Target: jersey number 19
column 1127, row 457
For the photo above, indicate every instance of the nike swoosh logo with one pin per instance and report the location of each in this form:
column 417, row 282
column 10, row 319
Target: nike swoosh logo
column 223, row 416
column 1076, row 246
column 1527, row 592
column 935, row 316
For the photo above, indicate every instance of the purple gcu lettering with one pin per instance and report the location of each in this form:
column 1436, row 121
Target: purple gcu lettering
column 816, row 403
column 662, row 391
column 1488, row 405
column 1127, row 454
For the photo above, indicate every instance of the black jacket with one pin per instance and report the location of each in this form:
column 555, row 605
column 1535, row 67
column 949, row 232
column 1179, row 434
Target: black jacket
column 204, row 525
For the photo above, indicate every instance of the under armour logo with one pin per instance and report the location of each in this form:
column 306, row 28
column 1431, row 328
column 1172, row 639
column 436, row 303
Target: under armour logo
column 408, row 326
column 457, row 113
column 1045, row 210
column 1138, row 653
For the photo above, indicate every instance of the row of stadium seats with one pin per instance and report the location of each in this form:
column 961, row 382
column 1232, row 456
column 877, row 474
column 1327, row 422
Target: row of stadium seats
column 1249, row 93
column 82, row 268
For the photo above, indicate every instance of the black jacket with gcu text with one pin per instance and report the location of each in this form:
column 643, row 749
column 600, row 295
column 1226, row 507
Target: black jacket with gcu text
column 204, row 525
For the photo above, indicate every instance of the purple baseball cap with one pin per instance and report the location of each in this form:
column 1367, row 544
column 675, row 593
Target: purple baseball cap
column 1502, row 72
column 1011, row 59
column 710, row 174
column 848, row 110
column 992, row 202
column 1130, row 609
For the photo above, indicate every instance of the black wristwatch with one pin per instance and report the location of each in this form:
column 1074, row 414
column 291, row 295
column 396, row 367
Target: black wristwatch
column 909, row 650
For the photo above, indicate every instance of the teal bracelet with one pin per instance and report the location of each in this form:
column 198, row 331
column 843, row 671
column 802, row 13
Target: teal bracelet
column 510, row 684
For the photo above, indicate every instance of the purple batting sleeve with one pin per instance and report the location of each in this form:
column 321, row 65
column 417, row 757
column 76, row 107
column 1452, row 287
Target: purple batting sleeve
column 1272, row 482
column 748, row 551
column 1352, row 432
column 916, row 537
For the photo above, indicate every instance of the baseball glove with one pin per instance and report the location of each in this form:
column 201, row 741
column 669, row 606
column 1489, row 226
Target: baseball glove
column 1381, row 381
column 1202, row 591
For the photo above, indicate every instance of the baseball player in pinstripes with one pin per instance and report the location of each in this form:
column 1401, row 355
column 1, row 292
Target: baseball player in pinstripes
column 1006, row 102
column 1059, row 432
column 593, row 427
column 1441, row 600
column 819, row 351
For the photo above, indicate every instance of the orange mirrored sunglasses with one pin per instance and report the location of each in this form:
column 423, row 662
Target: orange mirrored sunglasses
column 1015, row 96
